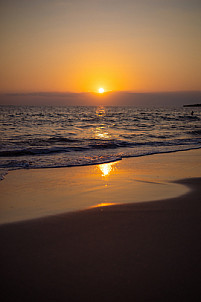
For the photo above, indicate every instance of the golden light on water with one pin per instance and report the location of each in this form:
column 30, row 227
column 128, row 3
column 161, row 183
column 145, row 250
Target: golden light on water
column 100, row 111
column 101, row 133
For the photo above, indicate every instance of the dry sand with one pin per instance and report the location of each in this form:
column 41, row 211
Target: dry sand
column 134, row 252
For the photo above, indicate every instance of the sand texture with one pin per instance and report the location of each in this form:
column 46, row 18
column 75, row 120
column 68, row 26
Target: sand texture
column 135, row 252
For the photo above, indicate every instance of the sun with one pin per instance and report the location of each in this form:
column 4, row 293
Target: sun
column 101, row 90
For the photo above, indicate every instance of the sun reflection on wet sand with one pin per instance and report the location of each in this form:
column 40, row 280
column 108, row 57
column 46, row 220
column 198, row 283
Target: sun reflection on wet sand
column 106, row 169
column 103, row 204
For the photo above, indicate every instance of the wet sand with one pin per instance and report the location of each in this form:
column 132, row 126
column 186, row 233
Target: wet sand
column 140, row 252
column 29, row 194
column 134, row 252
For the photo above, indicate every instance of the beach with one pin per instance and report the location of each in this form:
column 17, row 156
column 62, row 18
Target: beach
column 100, row 151
column 32, row 193
column 139, row 240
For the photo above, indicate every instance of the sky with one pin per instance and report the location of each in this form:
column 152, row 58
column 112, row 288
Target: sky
column 78, row 46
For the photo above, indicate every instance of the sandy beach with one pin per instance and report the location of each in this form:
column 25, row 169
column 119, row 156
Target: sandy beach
column 33, row 193
column 100, row 151
column 140, row 251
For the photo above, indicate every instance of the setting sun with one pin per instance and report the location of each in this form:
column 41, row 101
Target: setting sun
column 101, row 90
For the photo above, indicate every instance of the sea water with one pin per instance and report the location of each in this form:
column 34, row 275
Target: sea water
column 47, row 137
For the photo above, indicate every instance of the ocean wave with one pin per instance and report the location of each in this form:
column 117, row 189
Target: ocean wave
column 39, row 151
column 73, row 162
column 195, row 132
column 41, row 137
column 97, row 144
column 61, row 139
column 29, row 151
column 38, row 163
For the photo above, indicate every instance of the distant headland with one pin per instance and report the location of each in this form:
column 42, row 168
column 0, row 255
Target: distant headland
column 192, row 105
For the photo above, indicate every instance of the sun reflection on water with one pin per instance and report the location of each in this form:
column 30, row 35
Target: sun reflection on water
column 101, row 133
column 100, row 111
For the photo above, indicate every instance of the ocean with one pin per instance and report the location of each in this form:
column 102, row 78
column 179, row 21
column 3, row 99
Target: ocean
column 33, row 137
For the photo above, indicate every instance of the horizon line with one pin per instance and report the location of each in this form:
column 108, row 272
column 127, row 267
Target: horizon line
column 65, row 93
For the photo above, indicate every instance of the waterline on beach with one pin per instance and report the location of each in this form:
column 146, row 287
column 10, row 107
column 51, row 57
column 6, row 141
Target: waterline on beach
column 28, row 194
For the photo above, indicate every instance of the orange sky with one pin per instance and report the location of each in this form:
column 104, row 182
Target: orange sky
column 81, row 45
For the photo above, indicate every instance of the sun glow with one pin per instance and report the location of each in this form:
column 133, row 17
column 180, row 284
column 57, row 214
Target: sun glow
column 101, row 90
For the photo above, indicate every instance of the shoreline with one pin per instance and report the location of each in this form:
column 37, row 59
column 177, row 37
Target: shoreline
column 29, row 194
column 144, row 251
column 4, row 173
